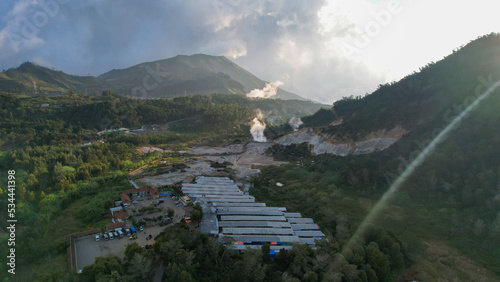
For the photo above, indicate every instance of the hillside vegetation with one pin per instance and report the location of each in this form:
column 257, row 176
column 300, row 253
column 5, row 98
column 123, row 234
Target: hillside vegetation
column 178, row 76
column 452, row 199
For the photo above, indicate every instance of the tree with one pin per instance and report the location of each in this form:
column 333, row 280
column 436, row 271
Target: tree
column 479, row 227
column 266, row 250
column 170, row 212
column 131, row 250
column 140, row 267
column 197, row 213
column 310, row 276
column 378, row 261
column 196, row 216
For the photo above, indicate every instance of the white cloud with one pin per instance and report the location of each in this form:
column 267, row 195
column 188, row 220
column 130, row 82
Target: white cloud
column 296, row 42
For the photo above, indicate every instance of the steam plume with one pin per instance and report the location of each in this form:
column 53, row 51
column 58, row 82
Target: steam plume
column 267, row 92
column 258, row 127
column 295, row 123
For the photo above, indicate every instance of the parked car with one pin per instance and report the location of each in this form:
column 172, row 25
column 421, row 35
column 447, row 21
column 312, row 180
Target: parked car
column 116, row 234
column 106, row 237
column 141, row 228
column 111, row 235
column 127, row 231
column 120, row 233
column 97, row 237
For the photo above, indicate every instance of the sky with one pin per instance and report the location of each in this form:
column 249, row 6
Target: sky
column 320, row 49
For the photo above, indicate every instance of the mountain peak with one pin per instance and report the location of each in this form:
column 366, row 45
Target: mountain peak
column 196, row 74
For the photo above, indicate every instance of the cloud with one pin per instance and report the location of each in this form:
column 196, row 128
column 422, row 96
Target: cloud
column 296, row 42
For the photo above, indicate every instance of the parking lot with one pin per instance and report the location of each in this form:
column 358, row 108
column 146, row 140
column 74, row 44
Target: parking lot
column 87, row 249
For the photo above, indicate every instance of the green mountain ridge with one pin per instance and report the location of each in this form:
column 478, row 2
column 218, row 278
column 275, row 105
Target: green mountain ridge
column 178, row 76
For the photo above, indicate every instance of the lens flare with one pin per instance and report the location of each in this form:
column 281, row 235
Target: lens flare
column 413, row 166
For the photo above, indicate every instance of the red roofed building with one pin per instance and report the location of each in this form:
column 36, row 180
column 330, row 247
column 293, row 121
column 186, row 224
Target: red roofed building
column 153, row 192
column 125, row 198
column 141, row 191
column 115, row 225
column 120, row 215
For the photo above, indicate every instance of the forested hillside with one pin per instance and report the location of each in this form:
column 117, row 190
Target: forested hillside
column 174, row 77
column 453, row 198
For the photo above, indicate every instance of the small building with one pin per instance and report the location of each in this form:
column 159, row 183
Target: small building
column 115, row 225
column 120, row 216
column 142, row 192
column 125, row 199
column 186, row 200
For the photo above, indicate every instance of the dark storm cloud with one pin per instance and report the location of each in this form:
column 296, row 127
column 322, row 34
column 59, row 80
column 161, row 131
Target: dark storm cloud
column 276, row 40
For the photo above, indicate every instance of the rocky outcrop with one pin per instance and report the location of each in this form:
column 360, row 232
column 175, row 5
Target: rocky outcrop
column 373, row 142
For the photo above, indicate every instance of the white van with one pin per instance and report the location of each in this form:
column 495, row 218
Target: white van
column 111, row 235
column 120, row 233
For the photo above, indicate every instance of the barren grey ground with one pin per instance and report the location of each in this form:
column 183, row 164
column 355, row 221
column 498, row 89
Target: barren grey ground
column 244, row 161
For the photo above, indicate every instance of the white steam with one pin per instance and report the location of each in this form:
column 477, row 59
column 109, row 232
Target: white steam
column 267, row 92
column 295, row 123
column 258, row 127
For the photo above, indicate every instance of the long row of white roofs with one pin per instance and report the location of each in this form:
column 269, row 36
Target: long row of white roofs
column 245, row 223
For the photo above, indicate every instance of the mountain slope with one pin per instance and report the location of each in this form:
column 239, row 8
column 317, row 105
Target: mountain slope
column 424, row 99
column 454, row 195
column 180, row 75
column 21, row 80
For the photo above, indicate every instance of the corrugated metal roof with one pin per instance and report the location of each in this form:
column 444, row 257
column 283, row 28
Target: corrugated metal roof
column 230, row 197
column 210, row 186
column 192, row 190
column 239, row 204
column 300, row 220
column 249, row 217
column 208, row 195
column 309, row 233
column 275, row 224
column 265, row 238
column 259, row 231
column 292, row 214
column 225, row 200
column 304, row 226
column 251, row 212
column 309, row 241
column 251, row 209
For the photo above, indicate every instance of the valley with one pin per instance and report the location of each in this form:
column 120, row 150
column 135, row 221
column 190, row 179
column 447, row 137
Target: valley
column 85, row 161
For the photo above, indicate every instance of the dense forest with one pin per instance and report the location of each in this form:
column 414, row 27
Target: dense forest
column 454, row 197
column 46, row 139
column 191, row 256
